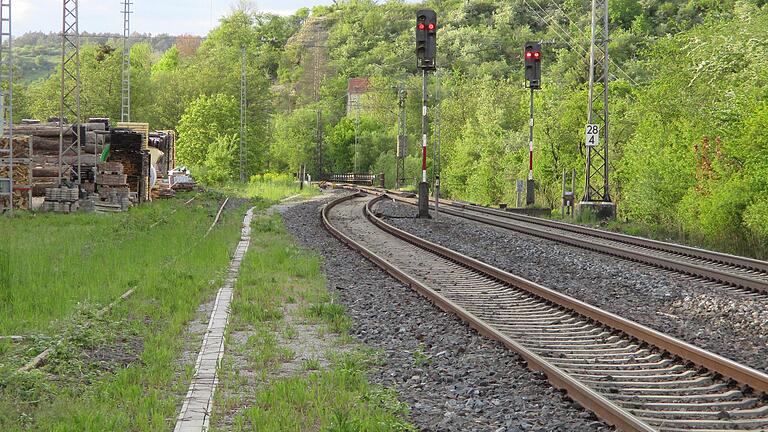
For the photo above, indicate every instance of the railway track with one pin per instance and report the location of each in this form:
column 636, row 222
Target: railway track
column 746, row 275
column 629, row 375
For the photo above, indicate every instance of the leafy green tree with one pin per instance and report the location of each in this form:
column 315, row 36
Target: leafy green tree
column 204, row 122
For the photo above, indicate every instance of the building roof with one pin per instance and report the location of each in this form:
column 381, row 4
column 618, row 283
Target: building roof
column 358, row 85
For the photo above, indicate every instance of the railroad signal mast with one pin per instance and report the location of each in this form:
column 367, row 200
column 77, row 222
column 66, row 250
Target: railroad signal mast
column 597, row 197
column 426, row 51
column 532, row 55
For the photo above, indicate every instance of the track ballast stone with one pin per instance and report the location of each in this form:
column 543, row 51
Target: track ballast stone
column 452, row 378
column 722, row 321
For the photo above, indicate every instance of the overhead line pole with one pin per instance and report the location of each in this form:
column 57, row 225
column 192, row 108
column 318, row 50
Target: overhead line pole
column 69, row 101
column 6, row 103
column 596, row 189
column 125, row 98
column 243, row 113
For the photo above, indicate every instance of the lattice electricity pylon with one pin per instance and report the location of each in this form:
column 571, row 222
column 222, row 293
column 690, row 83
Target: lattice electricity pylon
column 125, row 95
column 243, row 113
column 6, row 108
column 69, row 102
column 596, row 188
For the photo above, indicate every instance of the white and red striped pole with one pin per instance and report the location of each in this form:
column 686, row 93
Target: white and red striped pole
column 529, row 195
column 423, row 186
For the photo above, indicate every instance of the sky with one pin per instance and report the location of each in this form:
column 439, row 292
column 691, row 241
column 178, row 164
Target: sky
column 174, row 17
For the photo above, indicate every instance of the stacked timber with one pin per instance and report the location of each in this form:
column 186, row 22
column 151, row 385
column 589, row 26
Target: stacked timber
column 127, row 148
column 45, row 151
column 61, row 200
column 21, row 198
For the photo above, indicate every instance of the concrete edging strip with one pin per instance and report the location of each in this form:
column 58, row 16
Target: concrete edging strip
column 196, row 410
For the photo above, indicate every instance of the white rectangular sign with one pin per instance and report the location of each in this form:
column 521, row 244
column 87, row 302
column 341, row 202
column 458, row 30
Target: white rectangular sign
column 592, row 135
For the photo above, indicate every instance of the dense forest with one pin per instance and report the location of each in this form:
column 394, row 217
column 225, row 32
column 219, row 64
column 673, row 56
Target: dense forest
column 689, row 100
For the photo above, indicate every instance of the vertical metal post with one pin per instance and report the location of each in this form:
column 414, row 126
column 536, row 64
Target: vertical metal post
column 530, row 193
column 69, row 101
column 6, row 104
column 437, row 145
column 319, row 138
column 401, row 140
column 562, row 200
column 243, row 113
column 125, row 108
column 357, row 131
column 423, row 186
column 596, row 188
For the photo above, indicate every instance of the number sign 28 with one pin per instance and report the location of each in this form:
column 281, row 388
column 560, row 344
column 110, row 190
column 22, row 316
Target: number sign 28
column 593, row 135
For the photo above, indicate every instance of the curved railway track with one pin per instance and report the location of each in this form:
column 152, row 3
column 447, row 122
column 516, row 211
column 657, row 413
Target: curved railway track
column 629, row 375
column 745, row 274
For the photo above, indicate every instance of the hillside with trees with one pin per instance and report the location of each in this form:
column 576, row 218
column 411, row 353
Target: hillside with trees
column 689, row 100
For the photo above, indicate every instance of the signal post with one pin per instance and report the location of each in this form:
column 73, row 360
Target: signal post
column 426, row 50
column 533, row 76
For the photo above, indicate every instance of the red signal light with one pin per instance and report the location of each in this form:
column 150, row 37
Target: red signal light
column 537, row 55
column 421, row 26
column 431, row 26
column 528, row 54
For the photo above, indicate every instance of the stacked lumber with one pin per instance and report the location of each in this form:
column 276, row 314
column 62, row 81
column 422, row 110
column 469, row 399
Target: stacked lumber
column 141, row 128
column 45, row 150
column 21, row 147
column 21, row 196
column 61, row 200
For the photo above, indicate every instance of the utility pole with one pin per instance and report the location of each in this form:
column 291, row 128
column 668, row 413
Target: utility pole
column 402, row 140
column 243, row 109
column 69, row 101
column 125, row 109
column 597, row 196
column 426, row 53
column 316, row 97
column 7, row 184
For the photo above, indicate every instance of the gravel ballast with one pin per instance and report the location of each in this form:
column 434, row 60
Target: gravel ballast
column 711, row 317
column 452, row 378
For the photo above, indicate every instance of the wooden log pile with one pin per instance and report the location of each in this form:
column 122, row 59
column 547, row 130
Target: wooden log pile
column 22, row 171
column 45, row 151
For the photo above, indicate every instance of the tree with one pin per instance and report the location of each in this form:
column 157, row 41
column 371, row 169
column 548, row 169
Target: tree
column 203, row 123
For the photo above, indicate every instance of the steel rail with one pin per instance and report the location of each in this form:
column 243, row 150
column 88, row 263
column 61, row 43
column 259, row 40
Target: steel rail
column 645, row 257
column 590, row 399
column 582, row 394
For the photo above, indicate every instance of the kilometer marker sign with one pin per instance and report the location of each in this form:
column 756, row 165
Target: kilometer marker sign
column 592, row 135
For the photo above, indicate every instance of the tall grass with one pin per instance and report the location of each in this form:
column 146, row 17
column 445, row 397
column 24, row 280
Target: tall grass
column 55, row 270
column 51, row 262
column 271, row 187
column 275, row 272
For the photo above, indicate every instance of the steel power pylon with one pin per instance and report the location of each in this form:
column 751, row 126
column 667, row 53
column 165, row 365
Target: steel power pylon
column 69, row 102
column 596, row 192
column 125, row 108
column 6, row 107
column 243, row 112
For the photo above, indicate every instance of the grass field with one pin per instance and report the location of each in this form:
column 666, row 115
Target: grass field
column 119, row 371
column 281, row 286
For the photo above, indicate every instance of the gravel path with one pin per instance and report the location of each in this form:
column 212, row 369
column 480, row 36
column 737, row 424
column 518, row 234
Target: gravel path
column 718, row 320
column 452, row 378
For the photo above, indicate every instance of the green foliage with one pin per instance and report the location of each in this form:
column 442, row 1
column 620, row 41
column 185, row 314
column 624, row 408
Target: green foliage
column 687, row 100
column 205, row 122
